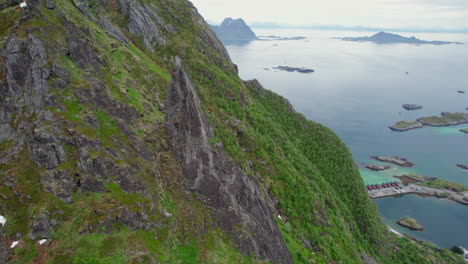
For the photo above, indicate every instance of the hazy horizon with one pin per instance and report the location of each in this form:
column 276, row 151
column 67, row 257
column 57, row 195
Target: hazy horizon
column 396, row 15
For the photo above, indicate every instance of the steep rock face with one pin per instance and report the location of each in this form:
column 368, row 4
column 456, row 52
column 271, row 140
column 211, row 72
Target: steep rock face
column 144, row 22
column 237, row 199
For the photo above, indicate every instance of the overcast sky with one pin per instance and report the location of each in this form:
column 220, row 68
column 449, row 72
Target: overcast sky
column 441, row 14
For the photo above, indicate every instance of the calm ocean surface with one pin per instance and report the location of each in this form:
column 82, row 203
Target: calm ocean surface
column 358, row 89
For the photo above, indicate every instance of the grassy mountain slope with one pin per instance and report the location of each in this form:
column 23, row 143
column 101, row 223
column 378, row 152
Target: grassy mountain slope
column 86, row 160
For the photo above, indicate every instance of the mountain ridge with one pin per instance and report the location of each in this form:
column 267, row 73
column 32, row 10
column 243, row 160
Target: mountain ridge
column 101, row 157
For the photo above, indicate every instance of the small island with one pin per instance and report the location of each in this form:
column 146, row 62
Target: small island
column 395, row 160
column 461, row 166
column 410, row 223
column 446, row 119
column 293, row 69
column 273, row 37
column 461, row 92
column 464, row 130
column 375, row 167
column 406, row 125
column 412, row 107
column 389, row 38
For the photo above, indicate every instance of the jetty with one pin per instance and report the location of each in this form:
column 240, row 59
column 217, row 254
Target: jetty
column 411, row 188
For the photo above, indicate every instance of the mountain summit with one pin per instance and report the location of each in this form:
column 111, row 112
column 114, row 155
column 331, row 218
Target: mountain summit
column 234, row 31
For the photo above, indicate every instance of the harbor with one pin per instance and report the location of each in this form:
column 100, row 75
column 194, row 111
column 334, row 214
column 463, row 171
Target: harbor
column 397, row 189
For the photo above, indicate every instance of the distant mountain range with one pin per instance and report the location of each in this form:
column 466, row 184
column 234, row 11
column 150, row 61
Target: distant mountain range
column 389, row 38
column 234, row 31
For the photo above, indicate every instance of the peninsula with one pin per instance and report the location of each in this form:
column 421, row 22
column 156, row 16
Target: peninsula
column 389, row 38
column 446, row 119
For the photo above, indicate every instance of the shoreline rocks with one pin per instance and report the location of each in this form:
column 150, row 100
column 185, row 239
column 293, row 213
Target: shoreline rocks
column 464, row 130
column 410, row 223
column 461, row 166
column 395, row 160
column 410, row 107
column 375, row 167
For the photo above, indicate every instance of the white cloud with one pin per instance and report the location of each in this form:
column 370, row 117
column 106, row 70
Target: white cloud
column 377, row 13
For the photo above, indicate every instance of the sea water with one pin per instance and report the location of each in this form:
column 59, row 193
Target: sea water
column 358, row 89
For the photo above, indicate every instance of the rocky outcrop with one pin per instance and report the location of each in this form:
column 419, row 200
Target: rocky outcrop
column 112, row 30
column 42, row 226
column 240, row 206
column 142, row 23
column 80, row 49
column 26, row 72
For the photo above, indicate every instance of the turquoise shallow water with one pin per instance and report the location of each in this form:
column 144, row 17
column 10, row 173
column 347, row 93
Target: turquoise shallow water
column 358, row 89
column 448, row 228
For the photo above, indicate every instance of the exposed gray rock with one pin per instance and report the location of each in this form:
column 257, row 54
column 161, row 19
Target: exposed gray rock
column 237, row 199
column 46, row 151
column 80, row 49
column 42, row 227
column 58, row 77
column 26, row 71
column 93, row 177
column 82, row 5
column 111, row 30
column 61, row 184
column 243, row 100
column 210, row 39
column 124, row 176
column 142, row 24
column 50, row 4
